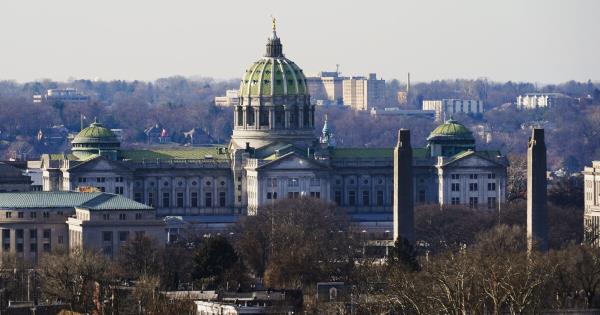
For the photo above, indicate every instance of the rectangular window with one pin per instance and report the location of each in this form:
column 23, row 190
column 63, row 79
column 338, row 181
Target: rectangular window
column 194, row 199
column 119, row 190
column 8, row 214
column 352, row 198
column 19, row 247
column 293, row 195
column 100, row 179
column 138, row 216
column 166, row 202
column 82, row 179
column 455, row 200
column 208, row 199
column 179, row 200
column 315, row 182
column 105, row 216
column 380, row 197
column 20, row 215
column 33, row 234
column 19, row 233
column 366, row 199
column 119, row 179
column 473, row 202
column 33, row 214
column 33, row 247
column 137, row 197
column 47, row 233
column 46, row 214
column 315, row 194
column 293, row 182
column 275, row 195
column 47, row 248
column 472, row 176
column 269, row 196
column 491, row 202
column 123, row 236
column 473, row 187
column 151, row 199
column 421, row 196
column 122, row 216
column 455, row 176
column 455, row 187
column 337, row 197
column 222, row 199
column 492, row 176
column 107, row 236
column 492, row 186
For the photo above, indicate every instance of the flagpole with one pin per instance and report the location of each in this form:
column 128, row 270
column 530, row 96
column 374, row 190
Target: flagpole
column 81, row 121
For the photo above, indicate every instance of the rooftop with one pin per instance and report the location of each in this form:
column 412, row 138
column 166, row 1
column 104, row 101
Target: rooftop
column 68, row 199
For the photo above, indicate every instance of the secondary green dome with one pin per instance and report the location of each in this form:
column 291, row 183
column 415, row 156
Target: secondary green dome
column 95, row 133
column 451, row 130
column 95, row 140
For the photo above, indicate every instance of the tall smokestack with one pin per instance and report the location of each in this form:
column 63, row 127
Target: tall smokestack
column 537, row 203
column 404, row 221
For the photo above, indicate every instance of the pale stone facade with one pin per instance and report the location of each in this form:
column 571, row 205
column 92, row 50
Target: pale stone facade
column 591, row 178
column 446, row 108
column 542, row 100
column 364, row 93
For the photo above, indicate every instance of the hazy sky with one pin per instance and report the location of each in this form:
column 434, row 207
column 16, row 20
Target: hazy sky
column 520, row 40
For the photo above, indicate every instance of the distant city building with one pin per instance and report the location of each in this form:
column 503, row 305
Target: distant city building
column 542, row 100
column 68, row 95
column 326, row 88
column 156, row 134
column 446, row 108
column 404, row 96
column 591, row 178
column 230, row 99
column 234, row 303
column 395, row 111
column 36, row 222
column 364, row 93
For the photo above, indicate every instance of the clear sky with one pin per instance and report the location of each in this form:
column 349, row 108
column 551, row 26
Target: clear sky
column 545, row 41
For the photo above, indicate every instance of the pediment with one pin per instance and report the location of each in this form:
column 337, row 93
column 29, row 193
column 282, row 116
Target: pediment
column 473, row 161
column 99, row 164
column 292, row 161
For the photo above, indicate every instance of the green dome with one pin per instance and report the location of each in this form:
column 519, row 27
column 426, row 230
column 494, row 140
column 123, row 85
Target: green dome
column 95, row 133
column 273, row 76
column 451, row 130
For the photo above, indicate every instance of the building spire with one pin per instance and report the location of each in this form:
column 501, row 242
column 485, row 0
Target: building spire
column 274, row 47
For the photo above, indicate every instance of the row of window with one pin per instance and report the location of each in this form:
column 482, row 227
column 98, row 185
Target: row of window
column 179, row 201
column 473, row 176
column 32, row 214
column 473, row 187
column 366, row 198
column 98, row 179
column 474, row 202
column 33, row 234
column 122, row 216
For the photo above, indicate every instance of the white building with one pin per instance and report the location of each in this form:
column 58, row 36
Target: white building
column 445, row 108
column 362, row 93
column 230, row 99
column 68, row 95
column 542, row 100
column 326, row 88
column 591, row 178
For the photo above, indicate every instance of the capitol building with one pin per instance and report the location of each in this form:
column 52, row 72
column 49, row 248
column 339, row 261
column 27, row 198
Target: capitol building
column 275, row 153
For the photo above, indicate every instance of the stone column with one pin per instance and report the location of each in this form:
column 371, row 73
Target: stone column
column 403, row 188
column 537, row 205
column 257, row 118
column 244, row 118
column 271, row 118
column 286, row 118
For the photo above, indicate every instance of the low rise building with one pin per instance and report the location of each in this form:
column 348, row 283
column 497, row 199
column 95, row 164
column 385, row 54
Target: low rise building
column 364, row 93
column 12, row 179
column 67, row 95
column 446, row 108
column 395, row 111
column 542, row 100
column 36, row 222
column 230, row 99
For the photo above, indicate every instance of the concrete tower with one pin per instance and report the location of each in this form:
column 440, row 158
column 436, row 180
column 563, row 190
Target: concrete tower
column 404, row 221
column 537, row 204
